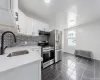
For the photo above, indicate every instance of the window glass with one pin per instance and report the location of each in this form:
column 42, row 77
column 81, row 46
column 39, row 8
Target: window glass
column 71, row 38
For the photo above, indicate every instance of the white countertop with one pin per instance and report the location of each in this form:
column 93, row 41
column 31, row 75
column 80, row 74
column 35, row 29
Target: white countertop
column 7, row 63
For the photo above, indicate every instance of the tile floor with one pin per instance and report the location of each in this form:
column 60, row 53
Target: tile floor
column 73, row 68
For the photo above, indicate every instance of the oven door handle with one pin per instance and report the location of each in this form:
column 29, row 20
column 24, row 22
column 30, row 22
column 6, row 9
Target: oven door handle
column 46, row 52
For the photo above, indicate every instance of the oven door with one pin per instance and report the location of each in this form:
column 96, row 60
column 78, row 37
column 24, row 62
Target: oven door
column 52, row 54
column 46, row 56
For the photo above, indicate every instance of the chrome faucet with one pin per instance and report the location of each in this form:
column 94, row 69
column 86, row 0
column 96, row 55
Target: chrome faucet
column 2, row 41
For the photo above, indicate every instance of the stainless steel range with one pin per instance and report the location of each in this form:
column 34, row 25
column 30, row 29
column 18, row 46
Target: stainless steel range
column 48, row 56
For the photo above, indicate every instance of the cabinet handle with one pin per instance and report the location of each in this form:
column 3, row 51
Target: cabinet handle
column 16, row 14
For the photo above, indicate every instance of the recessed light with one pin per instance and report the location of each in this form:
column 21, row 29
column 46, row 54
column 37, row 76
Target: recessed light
column 47, row 1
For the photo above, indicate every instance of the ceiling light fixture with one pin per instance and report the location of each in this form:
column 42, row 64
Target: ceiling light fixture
column 47, row 1
column 71, row 20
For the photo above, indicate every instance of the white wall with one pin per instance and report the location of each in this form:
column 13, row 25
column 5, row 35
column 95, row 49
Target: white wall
column 87, row 38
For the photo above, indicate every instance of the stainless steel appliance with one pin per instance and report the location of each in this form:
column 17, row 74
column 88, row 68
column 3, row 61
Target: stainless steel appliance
column 48, row 56
column 47, row 53
column 55, row 40
column 43, row 43
column 44, row 33
column 58, row 55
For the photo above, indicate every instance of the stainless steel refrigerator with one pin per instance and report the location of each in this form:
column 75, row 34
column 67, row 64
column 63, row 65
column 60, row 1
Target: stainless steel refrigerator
column 55, row 40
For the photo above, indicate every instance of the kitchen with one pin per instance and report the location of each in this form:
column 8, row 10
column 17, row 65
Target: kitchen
column 22, row 35
column 49, row 40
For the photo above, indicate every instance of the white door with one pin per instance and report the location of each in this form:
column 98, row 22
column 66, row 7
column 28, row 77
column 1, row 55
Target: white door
column 71, row 37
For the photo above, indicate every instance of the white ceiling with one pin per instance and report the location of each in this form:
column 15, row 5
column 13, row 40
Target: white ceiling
column 75, row 12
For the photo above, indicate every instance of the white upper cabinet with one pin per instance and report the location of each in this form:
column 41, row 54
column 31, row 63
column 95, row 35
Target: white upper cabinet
column 14, row 5
column 38, row 25
column 12, row 17
column 44, row 26
column 25, row 24
column 5, row 4
column 14, row 9
column 22, row 23
column 29, row 26
column 9, row 9
column 41, row 25
column 6, row 15
column 7, row 19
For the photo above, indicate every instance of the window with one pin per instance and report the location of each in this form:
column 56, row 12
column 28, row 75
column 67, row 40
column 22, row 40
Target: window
column 72, row 38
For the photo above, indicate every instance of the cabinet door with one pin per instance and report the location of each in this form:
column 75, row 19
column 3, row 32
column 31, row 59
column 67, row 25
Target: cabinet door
column 5, row 17
column 5, row 4
column 22, row 22
column 31, row 71
column 38, row 25
column 14, row 5
column 43, row 26
column 14, row 9
column 35, row 28
column 29, row 26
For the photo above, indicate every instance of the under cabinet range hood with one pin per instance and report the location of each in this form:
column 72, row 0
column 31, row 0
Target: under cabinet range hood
column 44, row 33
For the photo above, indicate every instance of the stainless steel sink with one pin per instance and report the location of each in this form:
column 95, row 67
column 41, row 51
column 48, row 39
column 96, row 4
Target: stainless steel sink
column 17, row 53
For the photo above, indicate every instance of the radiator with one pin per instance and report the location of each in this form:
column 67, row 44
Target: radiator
column 83, row 53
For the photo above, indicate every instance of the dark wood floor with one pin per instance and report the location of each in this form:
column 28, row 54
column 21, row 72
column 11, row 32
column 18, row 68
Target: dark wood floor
column 73, row 68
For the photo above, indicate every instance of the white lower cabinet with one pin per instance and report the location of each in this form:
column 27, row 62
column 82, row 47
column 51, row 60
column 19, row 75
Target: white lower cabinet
column 31, row 71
